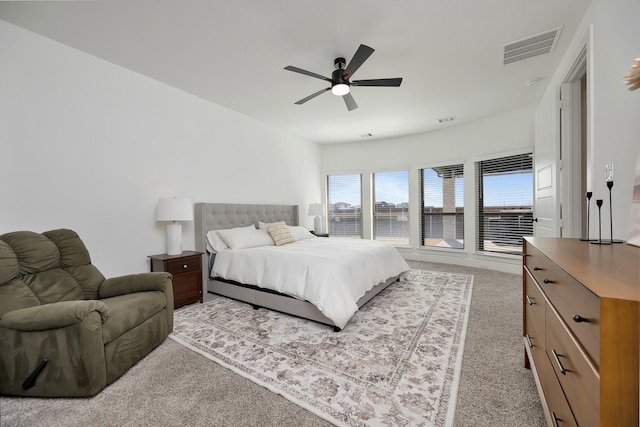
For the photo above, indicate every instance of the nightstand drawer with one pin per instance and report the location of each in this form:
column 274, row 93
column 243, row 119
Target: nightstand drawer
column 186, row 270
column 184, row 265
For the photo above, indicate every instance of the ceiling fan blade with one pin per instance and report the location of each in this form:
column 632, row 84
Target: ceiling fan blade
column 313, row 95
column 350, row 102
column 378, row 82
column 358, row 59
column 306, row 73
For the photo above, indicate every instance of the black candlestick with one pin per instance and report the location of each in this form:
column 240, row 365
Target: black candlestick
column 600, row 241
column 589, row 194
column 610, row 186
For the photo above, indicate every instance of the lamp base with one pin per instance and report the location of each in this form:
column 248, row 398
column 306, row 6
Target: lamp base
column 174, row 238
column 317, row 225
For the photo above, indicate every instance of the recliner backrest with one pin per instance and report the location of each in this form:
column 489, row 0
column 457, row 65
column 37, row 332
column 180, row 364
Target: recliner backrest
column 43, row 268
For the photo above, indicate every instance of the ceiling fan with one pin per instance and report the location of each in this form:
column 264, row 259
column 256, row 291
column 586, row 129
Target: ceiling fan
column 340, row 83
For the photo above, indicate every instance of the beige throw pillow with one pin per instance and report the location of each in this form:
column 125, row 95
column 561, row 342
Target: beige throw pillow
column 280, row 233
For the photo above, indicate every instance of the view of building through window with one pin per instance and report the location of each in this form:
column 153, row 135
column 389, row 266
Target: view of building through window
column 504, row 197
column 505, row 203
column 442, row 220
column 345, row 200
column 391, row 207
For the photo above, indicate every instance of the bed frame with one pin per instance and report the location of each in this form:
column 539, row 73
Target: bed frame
column 218, row 216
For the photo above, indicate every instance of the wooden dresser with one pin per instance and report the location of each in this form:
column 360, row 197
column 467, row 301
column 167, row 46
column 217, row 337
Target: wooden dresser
column 581, row 327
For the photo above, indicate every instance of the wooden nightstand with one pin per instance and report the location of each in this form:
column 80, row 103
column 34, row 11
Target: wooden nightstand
column 319, row 234
column 186, row 269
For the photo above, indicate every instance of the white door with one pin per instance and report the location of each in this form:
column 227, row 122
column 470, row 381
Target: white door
column 546, row 205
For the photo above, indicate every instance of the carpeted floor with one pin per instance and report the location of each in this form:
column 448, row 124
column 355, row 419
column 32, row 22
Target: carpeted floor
column 176, row 386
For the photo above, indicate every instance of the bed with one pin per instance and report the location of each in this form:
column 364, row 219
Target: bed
column 302, row 260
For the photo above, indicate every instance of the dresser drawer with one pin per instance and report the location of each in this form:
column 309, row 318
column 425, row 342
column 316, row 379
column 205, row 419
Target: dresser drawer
column 184, row 265
column 578, row 306
column 559, row 409
column 577, row 377
column 534, row 303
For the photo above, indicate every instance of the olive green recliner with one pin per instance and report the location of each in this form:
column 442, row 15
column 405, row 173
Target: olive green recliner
column 65, row 331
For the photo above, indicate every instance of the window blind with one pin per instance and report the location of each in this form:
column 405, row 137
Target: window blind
column 505, row 203
column 345, row 201
column 442, row 206
column 391, row 207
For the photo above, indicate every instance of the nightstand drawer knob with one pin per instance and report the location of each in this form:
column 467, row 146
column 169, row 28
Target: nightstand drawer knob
column 184, row 266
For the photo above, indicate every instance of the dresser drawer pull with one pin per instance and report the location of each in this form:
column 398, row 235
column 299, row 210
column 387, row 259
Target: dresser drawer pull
column 547, row 281
column 185, row 266
column 536, row 269
column 555, row 419
column 529, row 300
column 557, row 358
column 577, row 318
column 529, row 340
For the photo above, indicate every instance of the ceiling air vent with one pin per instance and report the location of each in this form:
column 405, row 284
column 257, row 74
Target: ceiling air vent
column 446, row 119
column 529, row 47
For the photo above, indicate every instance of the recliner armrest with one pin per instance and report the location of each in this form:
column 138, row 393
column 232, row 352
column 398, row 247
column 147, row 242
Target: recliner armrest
column 52, row 316
column 134, row 283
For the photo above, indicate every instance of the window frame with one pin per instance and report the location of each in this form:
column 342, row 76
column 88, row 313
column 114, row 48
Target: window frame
column 458, row 164
column 406, row 240
column 330, row 211
column 481, row 233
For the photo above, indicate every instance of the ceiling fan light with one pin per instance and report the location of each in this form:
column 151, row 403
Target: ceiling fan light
column 340, row 89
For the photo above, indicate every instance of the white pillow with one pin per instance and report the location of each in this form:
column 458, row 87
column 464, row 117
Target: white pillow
column 245, row 237
column 300, row 233
column 214, row 242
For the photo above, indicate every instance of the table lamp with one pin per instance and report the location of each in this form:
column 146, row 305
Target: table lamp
column 174, row 210
column 316, row 209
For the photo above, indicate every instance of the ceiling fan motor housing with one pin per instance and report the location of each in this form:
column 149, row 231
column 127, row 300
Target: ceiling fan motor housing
column 337, row 77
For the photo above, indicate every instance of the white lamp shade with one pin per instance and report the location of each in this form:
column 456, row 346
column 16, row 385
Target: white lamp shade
column 316, row 209
column 173, row 209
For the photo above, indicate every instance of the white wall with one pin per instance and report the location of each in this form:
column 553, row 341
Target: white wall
column 91, row 146
column 502, row 134
column 611, row 31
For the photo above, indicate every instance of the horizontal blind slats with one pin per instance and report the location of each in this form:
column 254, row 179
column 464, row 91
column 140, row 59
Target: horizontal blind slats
column 345, row 201
column 442, row 206
column 505, row 203
column 391, row 207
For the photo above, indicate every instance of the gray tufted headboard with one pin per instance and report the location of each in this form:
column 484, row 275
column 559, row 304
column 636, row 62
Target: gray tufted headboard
column 218, row 216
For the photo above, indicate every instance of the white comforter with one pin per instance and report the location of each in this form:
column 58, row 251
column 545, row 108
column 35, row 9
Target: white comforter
column 330, row 273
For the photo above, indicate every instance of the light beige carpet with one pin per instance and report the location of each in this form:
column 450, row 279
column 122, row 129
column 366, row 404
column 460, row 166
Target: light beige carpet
column 397, row 362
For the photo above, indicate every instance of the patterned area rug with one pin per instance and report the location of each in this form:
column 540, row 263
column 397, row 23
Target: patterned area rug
column 397, row 362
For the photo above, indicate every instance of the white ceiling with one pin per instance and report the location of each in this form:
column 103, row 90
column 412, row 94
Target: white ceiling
column 232, row 52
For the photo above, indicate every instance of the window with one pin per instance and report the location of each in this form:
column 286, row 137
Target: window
column 505, row 203
column 345, row 200
column 442, row 219
column 391, row 207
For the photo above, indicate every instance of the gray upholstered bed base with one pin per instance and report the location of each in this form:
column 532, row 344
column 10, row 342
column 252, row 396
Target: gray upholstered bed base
column 218, row 216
